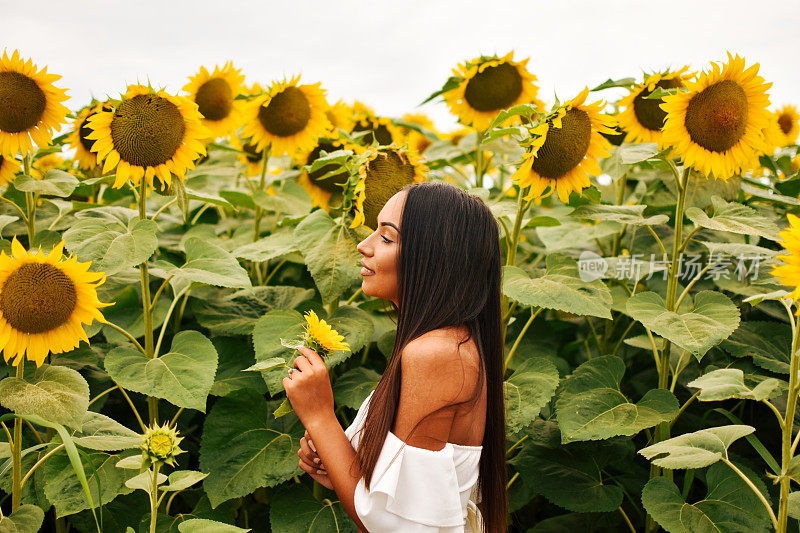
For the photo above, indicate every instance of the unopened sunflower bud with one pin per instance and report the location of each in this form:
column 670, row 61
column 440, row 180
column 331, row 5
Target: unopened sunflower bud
column 160, row 445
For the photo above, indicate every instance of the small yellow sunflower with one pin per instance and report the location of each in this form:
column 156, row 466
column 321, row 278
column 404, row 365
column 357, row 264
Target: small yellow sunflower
column 50, row 161
column 87, row 159
column 564, row 149
column 788, row 120
column 642, row 118
column 43, row 301
column 716, row 125
column 149, row 134
column 789, row 272
column 8, row 169
column 30, row 106
column 288, row 118
column 321, row 337
column 215, row 95
column 340, row 115
column 384, row 173
column 487, row 85
column 381, row 129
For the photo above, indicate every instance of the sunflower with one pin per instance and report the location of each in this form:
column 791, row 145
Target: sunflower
column 30, row 106
column 8, row 169
column 320, row 190
column 48, row 162
column 564, row 148
column 148, row 134
column 248, row 155
column 618, row 136
column 642, row 118
column 215, row 95
column 43, row 301
column 789, row 272
column 788, row 120
column 87, row 160
column 716, row 125
column 381, row 129
column 288, row 118
column 321, row 337
column 340, row 115
column 160, row 445
column 382, row 175
column 486, row 85
column 417, row 142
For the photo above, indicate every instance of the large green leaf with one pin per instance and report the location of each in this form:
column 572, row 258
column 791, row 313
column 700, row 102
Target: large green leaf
column 296, row 510
column 560, row 288
column 279, row 243
column 696, row 450
column 54, row 183
column 626, row 214
column 734, row 217
column 353, row 387
column 710, row 321
column 55, row 393
column 235, row 355
column 330, row 253
column 727, row 383
column 205, row 263
column 26, row 519
column 730, row 506
column 99, row 432
column 591, row 406
column 111, row 246
column 574, row 235
column 528, row 389
column 204, row 525
column 183, row 376
column 768, row 343
column 625, row 156
column 244, row 447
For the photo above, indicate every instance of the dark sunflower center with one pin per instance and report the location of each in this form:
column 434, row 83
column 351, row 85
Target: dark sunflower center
column 615, row 138
column 386, row 174
column 564, row 148
column 287, row 113
column 380, row 132
column 214, row 99
column 495, row 88
column 250, row 152
column 37, row 297
column 22, row 102
column 785, row 122
column 85, row 131
column 147, row 130
column 332, row 183
column 716, row 117
column 648, row 112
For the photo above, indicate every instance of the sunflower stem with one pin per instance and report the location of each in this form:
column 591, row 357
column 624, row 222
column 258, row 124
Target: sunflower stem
column 513, row 349
column 788, row 426
column 16, row 452
column 479, row 158
column 511, row 256
column 30, row 204
column 152, row 403
column 259, row 211
column 154, row 499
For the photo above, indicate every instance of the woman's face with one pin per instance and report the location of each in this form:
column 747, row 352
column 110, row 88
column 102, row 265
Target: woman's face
column 380, row 251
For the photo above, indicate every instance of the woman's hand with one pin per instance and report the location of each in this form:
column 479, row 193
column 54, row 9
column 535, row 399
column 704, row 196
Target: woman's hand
column 308, row 388
column 311, row 463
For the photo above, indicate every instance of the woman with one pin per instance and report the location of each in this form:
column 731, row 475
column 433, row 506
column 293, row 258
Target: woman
column 431, row 436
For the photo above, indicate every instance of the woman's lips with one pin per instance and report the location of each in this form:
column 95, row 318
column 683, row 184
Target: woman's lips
column 366, row 271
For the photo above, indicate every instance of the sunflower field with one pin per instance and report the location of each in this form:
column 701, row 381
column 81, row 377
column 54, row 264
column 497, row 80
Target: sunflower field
column 161, row 255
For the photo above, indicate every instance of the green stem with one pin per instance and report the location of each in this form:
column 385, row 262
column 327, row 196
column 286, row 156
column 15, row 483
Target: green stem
column 15, row 206
column 519, row 337
column 479, row 159
column 124, row 332
column 259, row 211
column 152, row 403
column 788, row 426
column 38, row 464
column 274, row 271
column 511, row 256
column 354, row 296
column 757, row 492
column 16, row 453
column 154, row 499
column 166, row 321
column 163, row 208
column 30, row 203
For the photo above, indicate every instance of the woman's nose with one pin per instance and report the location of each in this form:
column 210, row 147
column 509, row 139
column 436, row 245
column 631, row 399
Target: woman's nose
column 362, row 247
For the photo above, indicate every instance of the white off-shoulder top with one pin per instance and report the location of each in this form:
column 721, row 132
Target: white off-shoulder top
column 418, row 490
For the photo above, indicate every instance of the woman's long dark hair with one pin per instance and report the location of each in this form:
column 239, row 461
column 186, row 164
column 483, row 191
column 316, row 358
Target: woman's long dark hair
column 448, row 275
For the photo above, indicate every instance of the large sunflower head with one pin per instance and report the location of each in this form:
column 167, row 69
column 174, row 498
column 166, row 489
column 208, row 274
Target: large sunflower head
column 381, row 129
column 9, row 167
column 788, row 121
column 789, row 272
column 479, row 89
column 321, row 337
column 148, row 134
column 384, row 172
column 215, row 95
column 87, row 159
column 43, row 302
column 716, row 124
column 288, row 118
column 643, row 118
column 30, row 105
column 564, row 149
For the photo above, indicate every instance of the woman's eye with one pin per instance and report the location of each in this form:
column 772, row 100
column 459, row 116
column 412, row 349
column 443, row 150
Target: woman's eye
column 385, row 239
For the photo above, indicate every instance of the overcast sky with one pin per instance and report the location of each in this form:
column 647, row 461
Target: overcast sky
column 391, row 55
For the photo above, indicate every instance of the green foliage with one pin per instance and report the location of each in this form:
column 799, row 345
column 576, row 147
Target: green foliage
column 55, row 393
column 297, row 511
column 528, row 389
column 696, row 450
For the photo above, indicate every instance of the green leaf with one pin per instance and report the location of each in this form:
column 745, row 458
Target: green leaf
column 293, row 200
column 183, row 376
column 183, row 479
column 695, row 450
column 735, row 218
column 353, row 387
column 204, row 525
column 275, row 245
column 727, row 383
column 712, row 319
column 209, row 198
column 244, row 447
column 794, row 505
column 235, row 355
column 729, row 506
column 768, row 343
column 144, row 481
column 625, row 214
column 296, row 510
column 112, row 246
column 54, row 183
column 559, row 288
column 609, row 83
column 99, row 432
column 283, row 409
column 528, row 389
column 575, row 235
column 26, row 519
column 206, row 263
column 625, row 156
column 55, row 393
column 590, row 405
column 330, row 253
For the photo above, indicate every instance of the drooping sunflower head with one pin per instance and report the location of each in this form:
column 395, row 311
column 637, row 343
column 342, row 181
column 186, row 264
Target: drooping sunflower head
column 87, row 159
column 43, row 302
column 564, row 148
column 318, row 184
column 215, row 95
column 479, row 89
column 789, row 272
column 160, row 445
column 618, row 137
column 717, row 124
column 788, row 121
column 321, row 337
column 384, row 172
column 417, row 142
column 381, row 130
column 642, row 117
column 9, row 167
column 149, row 133
column 30, row 105
column 288, row 118
column 248, row 156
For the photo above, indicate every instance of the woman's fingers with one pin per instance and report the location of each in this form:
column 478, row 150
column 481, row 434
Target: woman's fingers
column 308, row 455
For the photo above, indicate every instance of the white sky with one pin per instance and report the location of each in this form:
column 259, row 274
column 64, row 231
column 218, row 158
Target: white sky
column 392, row 55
